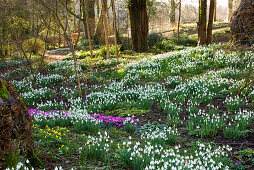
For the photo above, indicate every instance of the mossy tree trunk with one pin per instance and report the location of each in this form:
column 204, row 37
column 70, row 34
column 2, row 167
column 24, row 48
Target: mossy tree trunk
column 139, row 24
column 15, row 129
column 91, row 18
column 99, row 35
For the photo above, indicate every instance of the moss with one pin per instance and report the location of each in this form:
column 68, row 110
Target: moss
column 33, row 159
column 4, row 93
column 11, row 159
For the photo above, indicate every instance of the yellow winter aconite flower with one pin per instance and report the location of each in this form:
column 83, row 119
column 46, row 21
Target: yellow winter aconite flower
column 84, row 134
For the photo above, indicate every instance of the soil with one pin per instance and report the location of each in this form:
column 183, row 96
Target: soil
column 54, row 57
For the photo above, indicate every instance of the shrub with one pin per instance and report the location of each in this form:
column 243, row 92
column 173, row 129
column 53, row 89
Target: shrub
column 185, row 40
column 103, row 51
column 153, row 38
column 34, row 46
column 164, row 45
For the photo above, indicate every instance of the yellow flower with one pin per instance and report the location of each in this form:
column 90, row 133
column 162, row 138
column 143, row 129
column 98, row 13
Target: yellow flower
column 67, row 130
column 56, row 136
column 119, row 149
column 62, row 145
column 67, row 148
column 123, row 147
column 45, row 137
column 84, row 134
column 60, row 138
column 115, row 156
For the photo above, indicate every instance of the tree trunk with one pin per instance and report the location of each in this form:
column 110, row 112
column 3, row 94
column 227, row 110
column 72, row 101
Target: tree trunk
column 91, row 18
column 105, row 23
column 16, row 141
column 202, row 22
column 179, row 21
column 172, row 12
column 88, row 29
column 210, row 22
column 242, row 23
column 215, row 10
column 230, row 9
column 139, row 24
column 115, row 29
column 99, row 35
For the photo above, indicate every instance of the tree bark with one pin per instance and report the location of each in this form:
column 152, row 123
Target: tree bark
column 215, row 10
column 179, row 21
column 115, row 29
column 242, row 23
column 91, row 18
column 230, row 9
column 99, row 35
column 202, row 22
column 172, row 12
column 88, row 29
column 139, row 24
column 210, row 22
column 105, row 23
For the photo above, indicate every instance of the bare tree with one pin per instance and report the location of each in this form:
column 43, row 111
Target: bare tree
column 59, row 15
